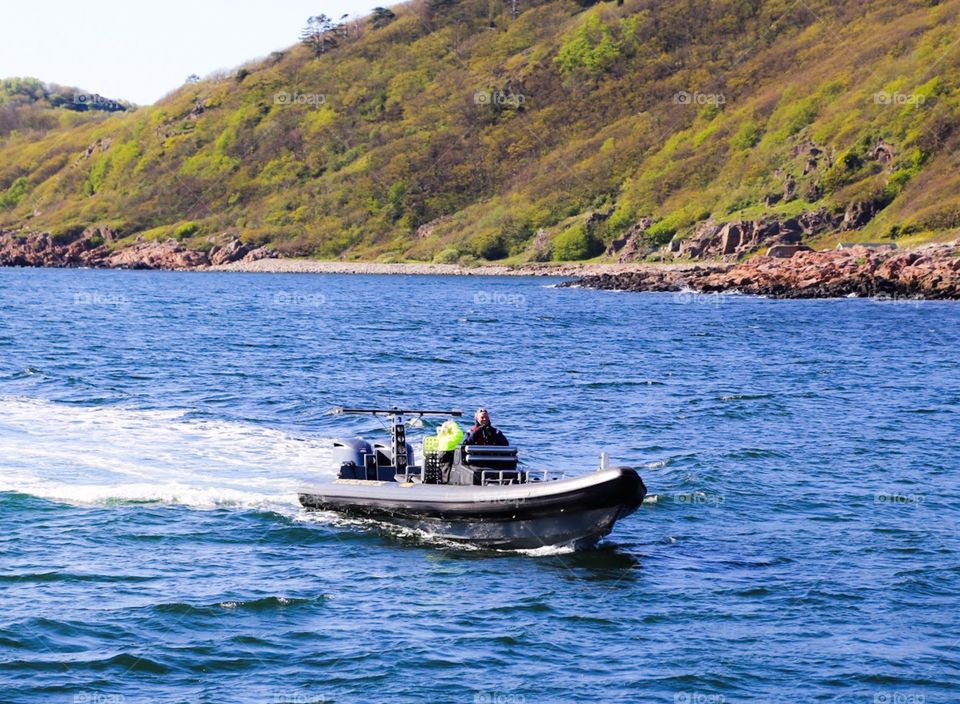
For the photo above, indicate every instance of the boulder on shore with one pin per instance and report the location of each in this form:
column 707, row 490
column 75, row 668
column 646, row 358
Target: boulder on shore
column 785, row 251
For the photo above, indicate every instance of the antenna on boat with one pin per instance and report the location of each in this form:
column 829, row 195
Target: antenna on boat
column 398, row 433
column 340, row 410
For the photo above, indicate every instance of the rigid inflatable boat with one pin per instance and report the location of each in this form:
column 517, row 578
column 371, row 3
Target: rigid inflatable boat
column 478, row 494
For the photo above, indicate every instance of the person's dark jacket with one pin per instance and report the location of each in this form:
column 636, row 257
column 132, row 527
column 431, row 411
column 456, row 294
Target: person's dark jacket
column 485, row 435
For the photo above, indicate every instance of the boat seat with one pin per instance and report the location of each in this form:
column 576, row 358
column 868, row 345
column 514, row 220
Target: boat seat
column 489, row 456
column 485, row 464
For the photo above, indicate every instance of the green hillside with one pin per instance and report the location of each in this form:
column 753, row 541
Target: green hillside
column 454, row 130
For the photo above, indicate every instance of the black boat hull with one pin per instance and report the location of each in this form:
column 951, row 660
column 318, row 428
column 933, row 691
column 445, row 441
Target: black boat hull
column 576, row 512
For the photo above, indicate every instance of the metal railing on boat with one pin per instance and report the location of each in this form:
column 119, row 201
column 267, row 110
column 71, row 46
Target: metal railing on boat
column 508, row 477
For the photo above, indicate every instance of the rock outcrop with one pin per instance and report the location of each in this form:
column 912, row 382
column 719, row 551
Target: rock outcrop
column 882, row 152
column 731, row 241
column 930, row 272
column 235, row 251
column 734, row 239
column 428, row 228
column 168, row 254
column 91, row 248
column 859, row 213
column 785, row 251
column 632, row 246
column 814, row 154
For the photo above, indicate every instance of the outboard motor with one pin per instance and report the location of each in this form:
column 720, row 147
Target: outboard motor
column 358, row 459
column 354, row 457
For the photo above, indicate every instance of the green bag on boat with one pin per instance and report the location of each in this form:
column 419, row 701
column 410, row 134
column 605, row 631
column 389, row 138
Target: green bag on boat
column 449, row 436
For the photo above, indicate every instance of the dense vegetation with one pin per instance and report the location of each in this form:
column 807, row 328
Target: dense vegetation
column 25, row 104
column 456, row 130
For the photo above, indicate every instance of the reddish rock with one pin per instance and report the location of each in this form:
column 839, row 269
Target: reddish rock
column 930, row 272
column 89, row 248
column 882, row 151
column 169, row 254
column 632, row 246
column 541, row 245
column 733, row 240
column 785, row 251
column 232, row 251
column 428, row 228
column 816, row 222
column 859, row 213
column 260, row 253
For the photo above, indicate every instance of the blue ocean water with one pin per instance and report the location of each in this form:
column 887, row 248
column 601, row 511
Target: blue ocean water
column 155, row 428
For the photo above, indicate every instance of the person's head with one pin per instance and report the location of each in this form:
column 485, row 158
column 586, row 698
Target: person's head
column 482, row 417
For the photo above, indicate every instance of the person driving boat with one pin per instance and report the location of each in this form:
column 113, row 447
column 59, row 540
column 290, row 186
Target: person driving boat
column 483, row 432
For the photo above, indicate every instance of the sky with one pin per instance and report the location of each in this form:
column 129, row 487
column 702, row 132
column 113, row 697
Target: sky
column 139, row 51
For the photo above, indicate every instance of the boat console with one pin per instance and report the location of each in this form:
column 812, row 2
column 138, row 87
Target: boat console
column 475, row 465
column 472, row 465
column 482, row 465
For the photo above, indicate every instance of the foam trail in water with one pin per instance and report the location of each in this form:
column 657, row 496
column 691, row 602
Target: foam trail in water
column 548, row 551
column 105, row 455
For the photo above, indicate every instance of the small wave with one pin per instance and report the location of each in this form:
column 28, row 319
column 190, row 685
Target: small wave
column 267, row 603
column 128, row 662
column 123, row 662
column 528, row 605
column 23, row 374
column 747, row 453
column 42, row 577
column 622, row 384
column 752, row 592
column 743, row 397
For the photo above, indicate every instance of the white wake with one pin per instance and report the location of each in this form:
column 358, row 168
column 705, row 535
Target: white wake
column 105, row 455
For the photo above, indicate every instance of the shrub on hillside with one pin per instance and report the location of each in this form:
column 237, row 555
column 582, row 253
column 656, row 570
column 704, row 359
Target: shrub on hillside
column 844, row 171
column 12, row 196
column 449, row 255
column 490, row 246
column 187, row 229
column 661, row 232
column 575, row 243
column 65, row 234
column 747, row 136
column 591, row 49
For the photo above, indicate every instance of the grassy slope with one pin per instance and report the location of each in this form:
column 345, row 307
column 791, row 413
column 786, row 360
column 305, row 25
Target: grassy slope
column 400, row 139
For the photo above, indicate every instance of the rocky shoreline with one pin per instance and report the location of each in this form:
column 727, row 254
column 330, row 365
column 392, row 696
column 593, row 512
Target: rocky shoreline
column 313, row 266
column 931, row 272
column 93, row 247
column 928, row 272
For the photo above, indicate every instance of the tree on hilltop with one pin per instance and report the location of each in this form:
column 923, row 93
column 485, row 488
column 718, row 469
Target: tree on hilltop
column 319, row 34
column 381, row 17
